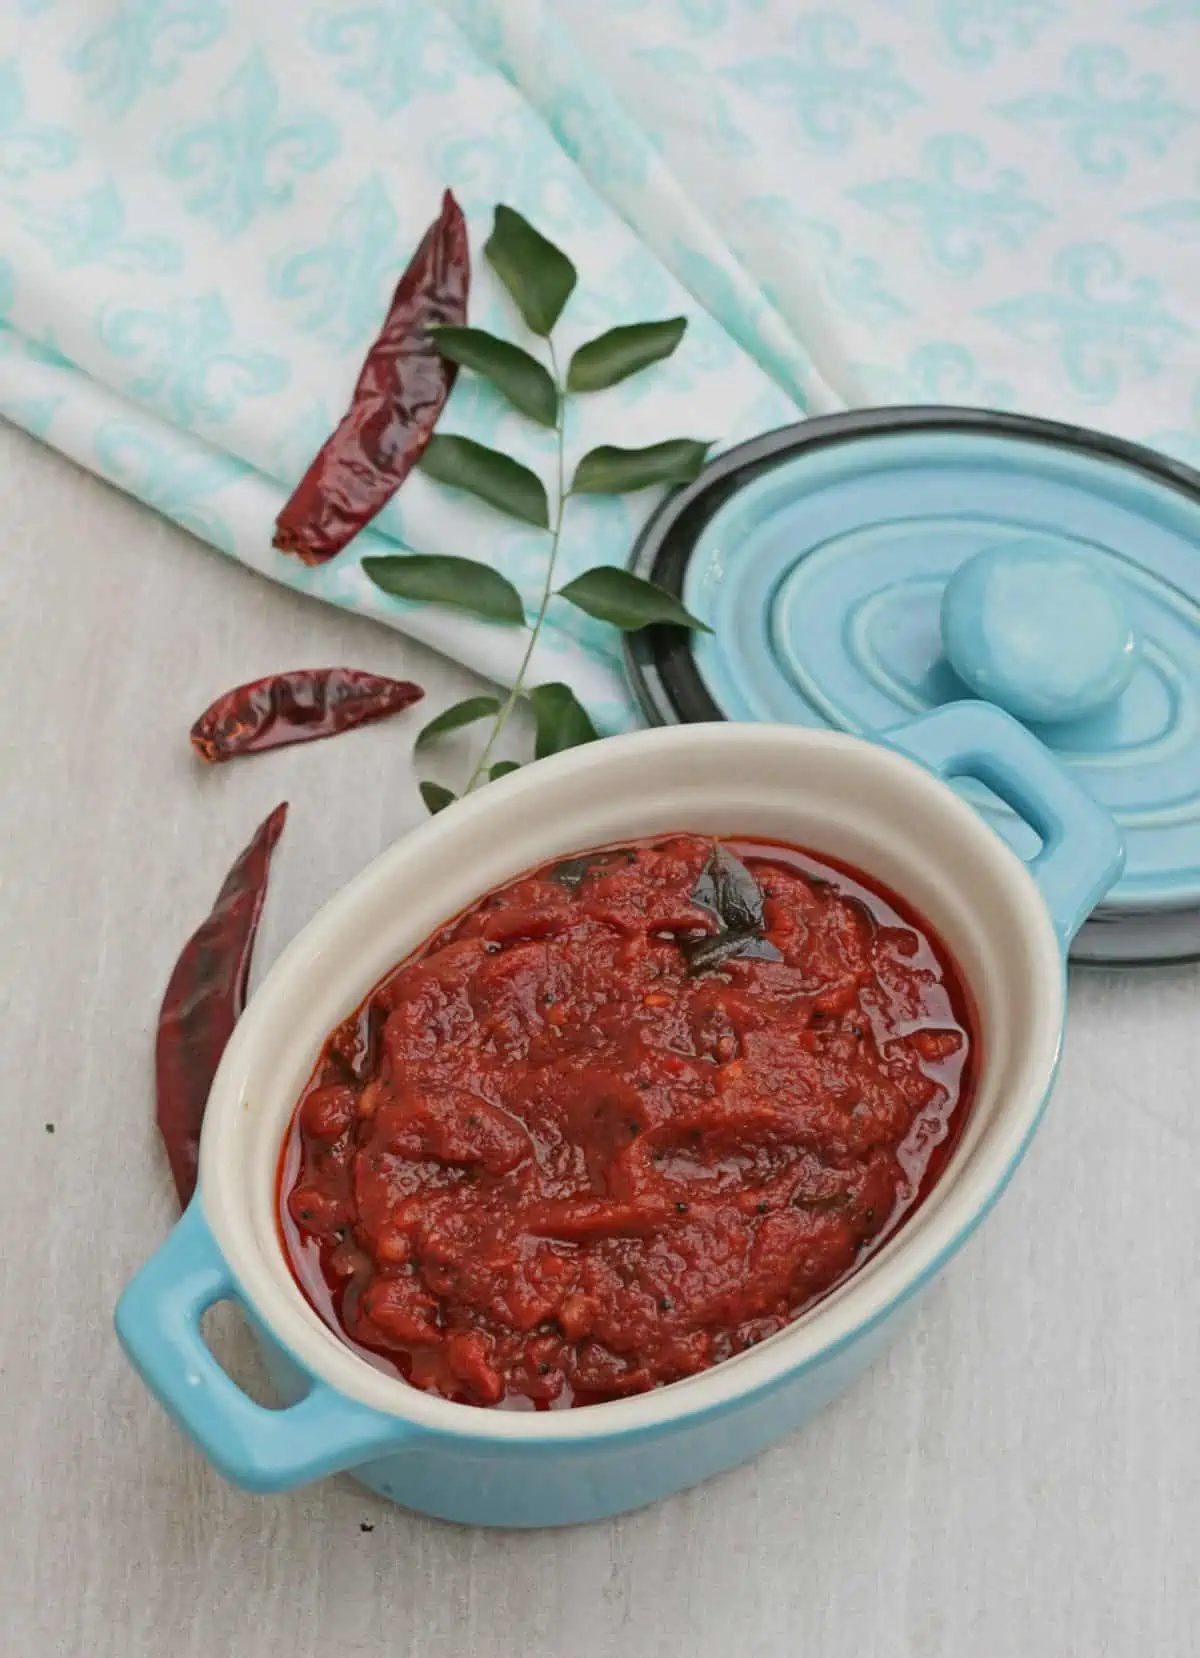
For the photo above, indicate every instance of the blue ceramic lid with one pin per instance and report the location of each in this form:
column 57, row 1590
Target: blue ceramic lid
column 1041, row 629
column 872, row 567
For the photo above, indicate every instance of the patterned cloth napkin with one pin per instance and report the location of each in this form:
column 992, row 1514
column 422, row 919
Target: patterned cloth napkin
column 204, row 205
column 978, row 201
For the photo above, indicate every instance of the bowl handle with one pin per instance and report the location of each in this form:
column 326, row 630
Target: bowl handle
column 158, row 1323
column 1082, row 852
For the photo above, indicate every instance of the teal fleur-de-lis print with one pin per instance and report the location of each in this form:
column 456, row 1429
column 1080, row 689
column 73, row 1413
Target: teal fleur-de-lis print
column 28, row 146
column 1177, row 218
column 1180, row 220
column 483, row 23
column 35, row 415
column 961, row 206
column 596, row 132
column 509, row 164
column 343, row 281
column 141, row 47
column 976, row 30
column 246, row 157
column 708, row 106
column 940, row 372
column 1103, row 325
column 187, row 361
column 1182, row 442
column 1106, row 111
column 591, row 125
column 851, row 281
column 91, row 230
column 635, row 286
column 746, row 316
column 15, row 344
column 388, row 52
column 830, row 83
column 45, row 351
column 706, row 16
column 946, row 373
column 177, row 479
column 1167, row 13
column 35, row 8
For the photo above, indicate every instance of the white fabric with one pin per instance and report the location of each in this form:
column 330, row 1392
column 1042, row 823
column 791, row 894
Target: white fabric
column 203, row 206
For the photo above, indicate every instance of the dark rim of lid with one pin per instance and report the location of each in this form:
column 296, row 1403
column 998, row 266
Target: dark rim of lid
column 659, row 660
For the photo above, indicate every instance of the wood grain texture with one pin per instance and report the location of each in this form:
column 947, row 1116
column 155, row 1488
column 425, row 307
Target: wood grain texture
column 1022, row 1475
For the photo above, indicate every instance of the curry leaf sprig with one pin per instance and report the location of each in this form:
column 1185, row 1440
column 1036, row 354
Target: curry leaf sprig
column 541, row 279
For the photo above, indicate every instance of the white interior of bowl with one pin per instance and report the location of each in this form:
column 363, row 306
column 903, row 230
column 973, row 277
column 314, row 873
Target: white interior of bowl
column 832, row 794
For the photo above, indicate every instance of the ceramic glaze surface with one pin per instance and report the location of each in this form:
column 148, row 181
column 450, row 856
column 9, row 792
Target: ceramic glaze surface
column 1043, row 634
column 886, row 809
column 824, row 580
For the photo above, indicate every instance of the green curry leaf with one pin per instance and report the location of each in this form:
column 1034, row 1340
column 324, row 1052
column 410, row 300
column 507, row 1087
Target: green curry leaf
column 539, row 276
column 610, row 471
column 522, row 379
column 614, row 356
column 462, row 583
column 627, row 601
column 562, row 721
column 505, row 484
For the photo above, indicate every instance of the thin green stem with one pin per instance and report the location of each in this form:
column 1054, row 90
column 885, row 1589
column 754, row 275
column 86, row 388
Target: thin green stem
column 560, row 504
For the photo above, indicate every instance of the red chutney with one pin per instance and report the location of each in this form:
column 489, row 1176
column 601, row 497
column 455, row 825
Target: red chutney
column 552, row 1161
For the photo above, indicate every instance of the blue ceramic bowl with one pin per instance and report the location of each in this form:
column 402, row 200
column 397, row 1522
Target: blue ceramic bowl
column 886, row 809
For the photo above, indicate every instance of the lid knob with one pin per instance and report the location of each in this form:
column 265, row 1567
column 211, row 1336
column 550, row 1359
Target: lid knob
column 1044, row 633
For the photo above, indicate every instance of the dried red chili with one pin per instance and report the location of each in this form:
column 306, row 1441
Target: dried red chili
column 205, row 996
column 400, row 393
column 298, row 707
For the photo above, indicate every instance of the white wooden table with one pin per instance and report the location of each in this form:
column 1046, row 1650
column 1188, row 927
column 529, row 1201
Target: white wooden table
column 1021, row 1476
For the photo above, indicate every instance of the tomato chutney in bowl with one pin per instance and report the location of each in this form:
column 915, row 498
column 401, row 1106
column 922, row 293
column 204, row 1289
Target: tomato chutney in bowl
column 627, row 1117
column 846, row 1051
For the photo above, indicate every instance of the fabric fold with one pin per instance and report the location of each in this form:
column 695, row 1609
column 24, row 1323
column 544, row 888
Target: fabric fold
column 204, row 207
column 203, row 217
